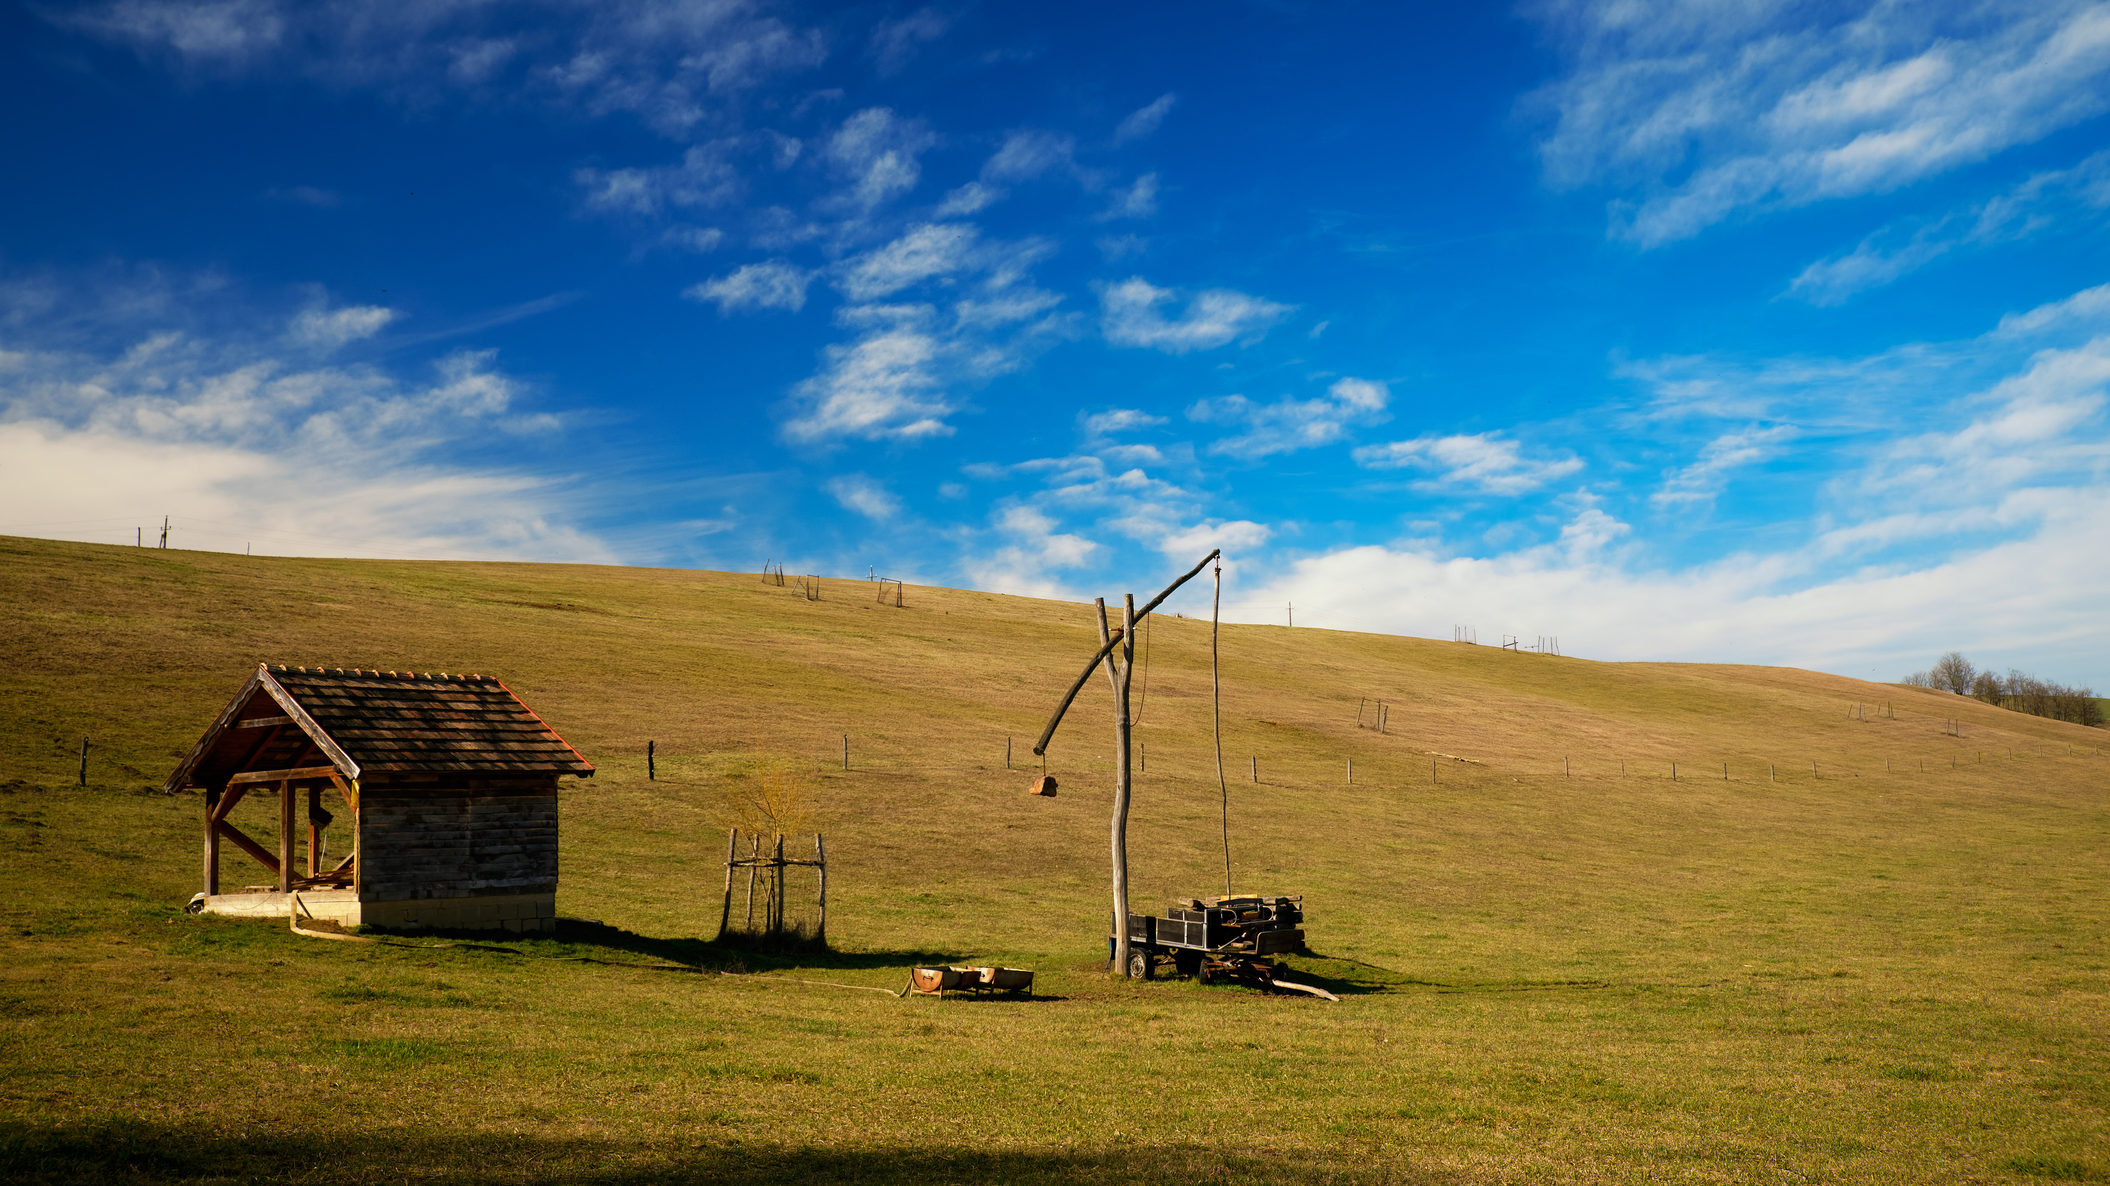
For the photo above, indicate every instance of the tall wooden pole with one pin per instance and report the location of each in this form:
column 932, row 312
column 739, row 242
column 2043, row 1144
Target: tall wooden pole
column 1119, row 663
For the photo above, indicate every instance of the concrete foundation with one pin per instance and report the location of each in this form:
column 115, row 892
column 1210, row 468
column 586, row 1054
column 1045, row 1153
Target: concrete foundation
column 515, row 913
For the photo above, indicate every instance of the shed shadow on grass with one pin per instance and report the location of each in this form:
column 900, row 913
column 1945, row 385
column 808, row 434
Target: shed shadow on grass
column 134, row 1150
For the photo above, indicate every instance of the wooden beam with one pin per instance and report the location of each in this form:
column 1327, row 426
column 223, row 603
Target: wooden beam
column 1106, row 647
column 350, row 791
column 263, row 722
column 296, row 774
column 232, row 796
column 242, row 841
column 307, row 723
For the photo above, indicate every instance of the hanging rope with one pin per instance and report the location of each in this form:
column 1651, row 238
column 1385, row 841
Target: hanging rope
column 1144, row 697
column 1216, row 700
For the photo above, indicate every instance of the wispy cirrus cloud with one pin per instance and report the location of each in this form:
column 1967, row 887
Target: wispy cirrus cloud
column 1285, row 426
column 674, row 67
column 705, row 176
column 1701, row 481
column 1486, row 462
column 328, row 329
column 1133, row 312
column 877, row 153
column 861, row 494
column 2036, row 204
column 923, row 252
column 1705, row 111
column 772, row 284
column 1144, row 121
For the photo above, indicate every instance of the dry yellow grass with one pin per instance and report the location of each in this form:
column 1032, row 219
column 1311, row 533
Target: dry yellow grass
column 1875, row 973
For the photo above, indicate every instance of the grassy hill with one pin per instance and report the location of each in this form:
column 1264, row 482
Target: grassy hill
column 1874, row 951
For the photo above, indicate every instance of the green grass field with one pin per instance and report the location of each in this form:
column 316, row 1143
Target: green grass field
column 1891, row 969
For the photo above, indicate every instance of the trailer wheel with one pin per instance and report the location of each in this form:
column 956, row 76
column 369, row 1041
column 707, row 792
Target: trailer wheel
column 1139, row 964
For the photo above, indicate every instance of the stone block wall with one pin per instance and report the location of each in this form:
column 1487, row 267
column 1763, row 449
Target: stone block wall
column 420, row 842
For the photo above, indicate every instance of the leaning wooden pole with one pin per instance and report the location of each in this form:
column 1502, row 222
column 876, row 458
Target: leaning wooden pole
column 1106, row 647
column 1216, row 700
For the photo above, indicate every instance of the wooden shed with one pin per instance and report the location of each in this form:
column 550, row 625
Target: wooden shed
column 439, row 791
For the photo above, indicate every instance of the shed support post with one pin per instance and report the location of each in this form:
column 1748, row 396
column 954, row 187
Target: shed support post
column 212, row 843
column 285, row 837
column 314, row 832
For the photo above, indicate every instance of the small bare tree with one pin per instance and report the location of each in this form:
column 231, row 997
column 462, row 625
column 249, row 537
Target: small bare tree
column 1952, row 672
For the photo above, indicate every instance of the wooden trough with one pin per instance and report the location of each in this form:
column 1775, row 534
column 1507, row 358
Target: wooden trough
column 936, row 982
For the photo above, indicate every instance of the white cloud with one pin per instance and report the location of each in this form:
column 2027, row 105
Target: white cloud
column 773, row 284
column 359, row 460
column 1747, row 608
column 895, row 42
column 1028, row 154
column 1484, row 461
column 1144, row 120
column 1132, row 314
column 705, row 176
column 861, row 494
column 877, row 151
column 1139, row 200
column 884, row 385
column 1702, row 481
column 1292, row 424
column 2042, row 201
column 970, row 198
column 1097, row 425
column 699, row 239
column 924, row 252
column 1705, row 110
column 329, row 329
column 673, row 66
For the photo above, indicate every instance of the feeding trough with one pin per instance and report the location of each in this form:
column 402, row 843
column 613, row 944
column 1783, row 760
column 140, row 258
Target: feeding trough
column 936, row 982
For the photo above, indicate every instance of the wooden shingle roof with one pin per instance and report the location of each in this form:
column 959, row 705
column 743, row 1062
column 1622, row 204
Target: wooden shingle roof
column 376, row 722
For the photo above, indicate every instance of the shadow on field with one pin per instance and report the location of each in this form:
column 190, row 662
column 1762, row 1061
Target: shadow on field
column 737, row 954
column 138, row 1151
column 1345, row 977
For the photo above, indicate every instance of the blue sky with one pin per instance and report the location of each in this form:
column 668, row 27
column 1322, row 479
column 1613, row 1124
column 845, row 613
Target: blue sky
column 1686, row 329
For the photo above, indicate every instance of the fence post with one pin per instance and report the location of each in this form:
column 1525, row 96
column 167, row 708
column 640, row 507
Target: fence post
column 846, row 751
column 732, row 850
column 84, row 761
column 651, row 769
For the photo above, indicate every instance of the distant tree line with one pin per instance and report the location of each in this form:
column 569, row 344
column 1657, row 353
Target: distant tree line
column 2016, row 690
